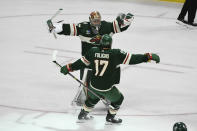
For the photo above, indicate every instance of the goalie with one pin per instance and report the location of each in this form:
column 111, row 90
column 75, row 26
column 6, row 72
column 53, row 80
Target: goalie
column 103, row 61
column 90, row 33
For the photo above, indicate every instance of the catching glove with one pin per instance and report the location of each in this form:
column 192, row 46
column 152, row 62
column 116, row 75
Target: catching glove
column 125, row 19
column 66, row 69
column 153, row 57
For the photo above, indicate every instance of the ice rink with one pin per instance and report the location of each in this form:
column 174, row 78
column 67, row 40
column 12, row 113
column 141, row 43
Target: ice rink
column 34, row 96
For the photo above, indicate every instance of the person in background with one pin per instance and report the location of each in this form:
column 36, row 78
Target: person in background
column 189, row 7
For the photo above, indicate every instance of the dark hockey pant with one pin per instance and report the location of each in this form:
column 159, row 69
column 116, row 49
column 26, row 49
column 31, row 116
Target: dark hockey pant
column 114, row 96
column 189, row 6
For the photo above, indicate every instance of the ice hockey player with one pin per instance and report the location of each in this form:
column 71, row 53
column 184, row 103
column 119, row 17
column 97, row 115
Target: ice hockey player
column 103, row 61
column 179, row 126
column 90, row 33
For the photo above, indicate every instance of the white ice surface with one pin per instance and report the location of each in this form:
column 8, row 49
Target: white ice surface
column 34, row 96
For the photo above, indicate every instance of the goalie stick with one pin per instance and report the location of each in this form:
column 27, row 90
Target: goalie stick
column 49, row 22
column 84, row 86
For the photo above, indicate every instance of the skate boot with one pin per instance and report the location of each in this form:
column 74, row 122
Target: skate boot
column 110, row 119
column 83, row 116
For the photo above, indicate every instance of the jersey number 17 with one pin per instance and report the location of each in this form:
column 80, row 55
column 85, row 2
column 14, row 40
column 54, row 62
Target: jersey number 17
column 99, row 63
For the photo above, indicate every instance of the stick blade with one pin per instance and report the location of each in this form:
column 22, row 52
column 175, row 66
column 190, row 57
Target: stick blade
column 54, row 56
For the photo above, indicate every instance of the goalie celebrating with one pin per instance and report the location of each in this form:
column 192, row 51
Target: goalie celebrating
column 103, row 61
column 90, row 33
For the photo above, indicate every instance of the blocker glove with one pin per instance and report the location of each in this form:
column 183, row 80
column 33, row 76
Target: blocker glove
column 55, row 27
column 66, row 69
column 50, row 25
column 152, row 56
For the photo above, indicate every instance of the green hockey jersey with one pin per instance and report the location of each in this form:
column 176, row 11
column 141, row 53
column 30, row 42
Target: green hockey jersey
column 103, row 64
column 86, row 35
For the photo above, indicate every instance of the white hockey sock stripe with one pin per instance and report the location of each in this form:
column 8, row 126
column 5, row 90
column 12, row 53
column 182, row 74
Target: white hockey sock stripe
column 88, row 109
column 112, row 111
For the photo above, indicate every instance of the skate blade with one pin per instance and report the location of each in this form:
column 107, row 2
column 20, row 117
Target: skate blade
column 81, row 121
column 85, row 120
column 110, row 123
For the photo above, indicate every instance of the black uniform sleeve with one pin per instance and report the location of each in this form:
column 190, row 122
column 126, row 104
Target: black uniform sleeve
column 131, row 59
column 70, row 29
column 138, row 58
column 84, row 62
column 78, row 65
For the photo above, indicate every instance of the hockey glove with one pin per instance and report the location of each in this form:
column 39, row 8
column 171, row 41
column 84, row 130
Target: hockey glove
column 125, row 20
column 50, row 25
column 153, row 57
column 55, row 27
column 120, row 18
column 66, row 69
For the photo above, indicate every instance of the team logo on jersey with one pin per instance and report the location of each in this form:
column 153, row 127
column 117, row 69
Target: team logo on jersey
column 96, row 38
column 88, row 32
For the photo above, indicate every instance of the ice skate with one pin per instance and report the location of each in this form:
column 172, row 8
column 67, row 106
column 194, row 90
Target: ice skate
column 110, row 119
column 84, row 116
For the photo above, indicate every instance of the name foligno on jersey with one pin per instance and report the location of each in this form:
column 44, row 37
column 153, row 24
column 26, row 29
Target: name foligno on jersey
column 102, row 55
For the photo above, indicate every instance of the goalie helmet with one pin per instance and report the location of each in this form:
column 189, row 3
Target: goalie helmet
column 179, row 126
column 95, row 21
column 106, row 41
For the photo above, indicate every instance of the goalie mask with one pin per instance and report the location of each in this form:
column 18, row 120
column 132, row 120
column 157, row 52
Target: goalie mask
column 95, row 21
column 179, row 126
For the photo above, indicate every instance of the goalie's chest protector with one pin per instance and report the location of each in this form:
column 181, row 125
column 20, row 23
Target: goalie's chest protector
column 86, row 34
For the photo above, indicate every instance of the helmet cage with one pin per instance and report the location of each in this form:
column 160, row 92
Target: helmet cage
column 95, row 19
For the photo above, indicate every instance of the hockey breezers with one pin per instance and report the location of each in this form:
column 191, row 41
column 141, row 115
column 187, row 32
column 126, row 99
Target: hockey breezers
column 84, row 86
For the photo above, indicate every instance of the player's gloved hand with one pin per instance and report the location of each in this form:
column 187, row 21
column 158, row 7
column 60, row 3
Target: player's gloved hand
column 125, row 19
column 55, row 27
column 152, row 56
column 120, row 18
column 50, row 25
column 66, row 69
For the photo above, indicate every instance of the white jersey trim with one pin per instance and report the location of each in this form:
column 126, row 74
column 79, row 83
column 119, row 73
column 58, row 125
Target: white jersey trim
column 85, row 61
column 127, row 59
column 98, row 89
column 73, row 30
column 116, row 26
